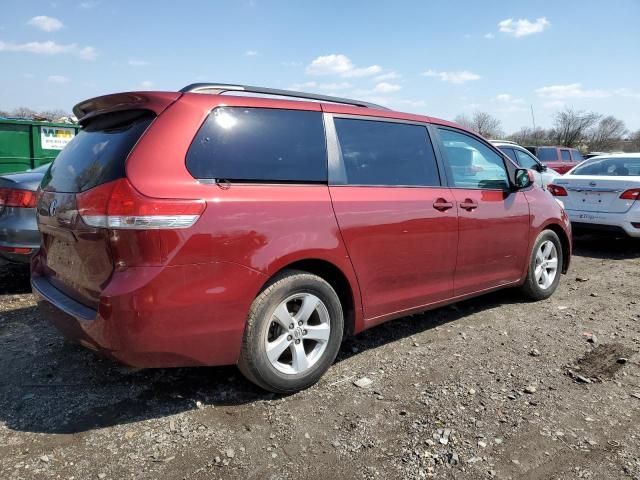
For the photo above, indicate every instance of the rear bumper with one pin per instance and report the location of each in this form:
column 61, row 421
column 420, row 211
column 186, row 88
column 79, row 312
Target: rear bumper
column 186, row 315
column 18, row 233
column 620, row 223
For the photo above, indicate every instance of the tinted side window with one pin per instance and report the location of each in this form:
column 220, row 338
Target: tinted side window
column 577, row 156
column 510, row 153
column 547, row 154
column 525, row 160
column 566, row 156
column 386, row 153
column 260, row 144
column 472, row 163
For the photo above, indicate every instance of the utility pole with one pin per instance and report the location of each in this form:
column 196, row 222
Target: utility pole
column 535, row 133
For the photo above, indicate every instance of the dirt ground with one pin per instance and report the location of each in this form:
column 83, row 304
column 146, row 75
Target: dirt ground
column 492, row 387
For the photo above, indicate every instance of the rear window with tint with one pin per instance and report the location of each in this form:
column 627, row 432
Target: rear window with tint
column 97, row 154
column 260, row 145
column 547, row 154
column 611, row 167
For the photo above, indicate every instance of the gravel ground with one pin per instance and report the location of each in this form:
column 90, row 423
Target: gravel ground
column 491, row 387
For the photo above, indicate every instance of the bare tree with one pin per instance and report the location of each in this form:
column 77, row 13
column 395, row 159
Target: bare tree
column 23, row 112
column 606, row 134
column 570, row 127
column 52, row 115
column 482, row 123
column 529, row 136
column 634, row 141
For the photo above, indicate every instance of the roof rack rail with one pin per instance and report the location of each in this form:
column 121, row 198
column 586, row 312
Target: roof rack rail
column 219, row 88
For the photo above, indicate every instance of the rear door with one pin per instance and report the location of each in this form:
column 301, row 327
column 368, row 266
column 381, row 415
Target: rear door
column 398, row 222
column 76, row 258
column 493, row 220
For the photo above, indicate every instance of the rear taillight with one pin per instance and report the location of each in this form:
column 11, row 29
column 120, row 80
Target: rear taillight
column 631, row 194
column 117, row 205
column 557, row 190
column 11, row 197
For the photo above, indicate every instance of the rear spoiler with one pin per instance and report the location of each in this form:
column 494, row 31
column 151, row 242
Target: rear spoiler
column 156, row 102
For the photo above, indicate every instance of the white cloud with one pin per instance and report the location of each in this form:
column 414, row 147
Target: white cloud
column 339, row 64
column 137, row 63
column 250, row 53
column 46, row 24
column 363, row 72
column 146, row 84
column 50, row 48
column 523, row 27
column 459, row 77
column 384, row 87
column 58, row 79
column 387, row 76
column 572, row 90
column 320, row 86
column 489, row 35
column 508, row 98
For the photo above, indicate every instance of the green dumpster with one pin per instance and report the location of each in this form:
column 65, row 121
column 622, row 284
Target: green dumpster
column 26, row 144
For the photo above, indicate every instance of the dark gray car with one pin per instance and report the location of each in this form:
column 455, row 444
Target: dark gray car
column 19, row 236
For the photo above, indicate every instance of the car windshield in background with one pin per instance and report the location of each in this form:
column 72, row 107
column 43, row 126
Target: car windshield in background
column 610, row 167
column 547, row 154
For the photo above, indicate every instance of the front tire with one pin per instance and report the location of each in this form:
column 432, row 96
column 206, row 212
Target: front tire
column 545, row 266
column 293, row 333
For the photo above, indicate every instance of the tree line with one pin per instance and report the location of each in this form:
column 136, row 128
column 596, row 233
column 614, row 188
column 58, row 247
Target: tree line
column 29, row 114
column 588, row 131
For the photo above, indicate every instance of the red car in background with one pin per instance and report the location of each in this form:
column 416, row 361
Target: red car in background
column 205, row 228
column 560, row 159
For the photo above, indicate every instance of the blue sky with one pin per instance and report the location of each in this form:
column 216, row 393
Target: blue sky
column 436, row 58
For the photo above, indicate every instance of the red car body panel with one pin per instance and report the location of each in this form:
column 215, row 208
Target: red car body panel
column 181, row 297
column 492, row 246
column 402, row 248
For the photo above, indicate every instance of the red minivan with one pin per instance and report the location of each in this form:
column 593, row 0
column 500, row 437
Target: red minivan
column 228, row 224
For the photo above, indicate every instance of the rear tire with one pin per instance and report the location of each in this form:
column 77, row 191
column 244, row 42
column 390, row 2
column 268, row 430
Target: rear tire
column 545, row 266
column 293, row 333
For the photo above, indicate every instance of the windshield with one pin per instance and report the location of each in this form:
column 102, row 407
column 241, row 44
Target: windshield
column 610, row 167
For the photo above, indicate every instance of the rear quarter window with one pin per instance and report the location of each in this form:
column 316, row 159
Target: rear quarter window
column 260, row 145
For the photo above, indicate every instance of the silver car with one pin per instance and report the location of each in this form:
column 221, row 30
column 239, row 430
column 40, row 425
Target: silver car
column 525, row 159
column 19, row 236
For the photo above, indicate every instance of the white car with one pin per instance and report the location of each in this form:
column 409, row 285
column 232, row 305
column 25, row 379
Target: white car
column 543, row 175
column 603, row 193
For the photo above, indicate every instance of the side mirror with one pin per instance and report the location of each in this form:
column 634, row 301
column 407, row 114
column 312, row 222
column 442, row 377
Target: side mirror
column 524, row 178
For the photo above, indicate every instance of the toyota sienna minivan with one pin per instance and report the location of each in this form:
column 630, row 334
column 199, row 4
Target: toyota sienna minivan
column 226, row 224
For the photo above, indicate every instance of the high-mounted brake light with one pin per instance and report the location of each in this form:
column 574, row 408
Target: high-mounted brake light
column 557, row 190
column 117, row 205
column 12, row 197
column 631, row 194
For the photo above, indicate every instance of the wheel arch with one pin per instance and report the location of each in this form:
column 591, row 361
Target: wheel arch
column 564, row 241
column 332, row 274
